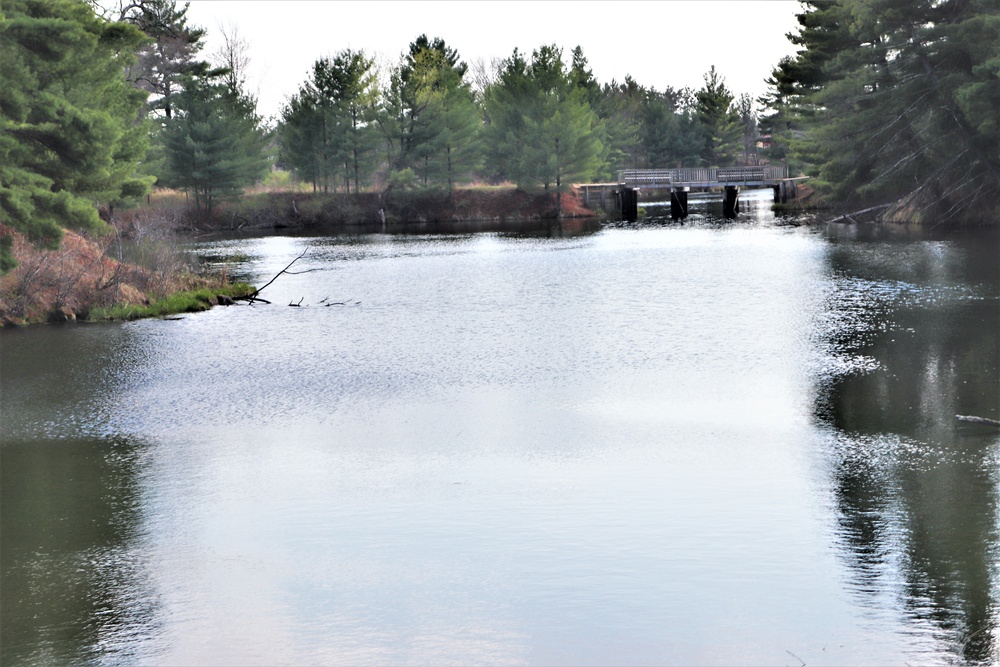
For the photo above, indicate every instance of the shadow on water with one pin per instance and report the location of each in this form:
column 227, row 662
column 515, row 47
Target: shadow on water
column 74, row 583
column 458, row 230
column 916, row 327
column 533, row 228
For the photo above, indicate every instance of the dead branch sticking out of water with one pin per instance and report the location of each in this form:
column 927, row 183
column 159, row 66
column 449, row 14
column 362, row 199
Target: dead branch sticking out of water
column 796, row 657
column 253, row 297
column 971, row 419
column 296, row 305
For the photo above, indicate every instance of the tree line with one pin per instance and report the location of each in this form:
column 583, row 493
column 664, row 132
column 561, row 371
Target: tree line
column 536, row 121
column 885, row 101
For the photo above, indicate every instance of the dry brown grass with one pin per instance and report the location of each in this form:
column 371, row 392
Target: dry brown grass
column 63, row 284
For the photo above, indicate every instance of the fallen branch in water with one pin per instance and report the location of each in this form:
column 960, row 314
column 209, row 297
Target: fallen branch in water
column 296, row 305
column 250, row 299
column 849, row 217
column 253, row 297
column 977, row 420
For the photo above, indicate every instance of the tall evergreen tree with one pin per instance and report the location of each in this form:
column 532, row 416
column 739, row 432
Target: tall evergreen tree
column 442, row 117
column 356, row 96
column 746, row 108
column 618, row 129
column 719, row 121
column 543, row 131
column 620, row 108
column 505, row 102
column 824, row 32
column 671, row 133
column 329, row 126
column 70, row 131
column 214, row 144
column 430, row 108
column 582, row 77
column 301, row 132
column 170, row 56
column 905, row 112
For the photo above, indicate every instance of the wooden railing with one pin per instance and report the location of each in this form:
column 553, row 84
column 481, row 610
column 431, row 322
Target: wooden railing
column 637, row 178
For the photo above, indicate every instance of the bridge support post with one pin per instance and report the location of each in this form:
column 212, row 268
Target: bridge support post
column 731, row 203
column 678, row 203
column 629, row 203
column 784, row 191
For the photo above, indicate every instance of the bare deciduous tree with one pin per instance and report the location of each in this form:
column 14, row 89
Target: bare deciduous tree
column 234, row 58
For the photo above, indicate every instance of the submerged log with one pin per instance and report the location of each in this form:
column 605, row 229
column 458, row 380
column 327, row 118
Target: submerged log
column 251, row 299
column 971, row 419
column 849, row 217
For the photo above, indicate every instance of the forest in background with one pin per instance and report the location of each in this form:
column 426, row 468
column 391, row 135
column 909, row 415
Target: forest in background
column 888, row 105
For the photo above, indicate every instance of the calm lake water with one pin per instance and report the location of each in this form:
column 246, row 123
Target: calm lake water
column 700, row 444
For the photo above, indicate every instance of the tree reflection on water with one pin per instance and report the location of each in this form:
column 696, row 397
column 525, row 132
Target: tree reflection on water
column 75, row 586
column 915, row 490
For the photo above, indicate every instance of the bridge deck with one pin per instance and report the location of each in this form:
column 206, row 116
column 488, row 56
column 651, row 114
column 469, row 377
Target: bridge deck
column 703, row 177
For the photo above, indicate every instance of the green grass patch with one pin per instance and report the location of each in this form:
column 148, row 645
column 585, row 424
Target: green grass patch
column 173, row 304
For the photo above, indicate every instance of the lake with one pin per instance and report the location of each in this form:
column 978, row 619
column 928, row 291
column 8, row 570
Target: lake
column 717, row 442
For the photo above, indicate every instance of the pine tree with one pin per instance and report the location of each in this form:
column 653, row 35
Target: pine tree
column 619, row 125
column 671, row 133
column 789, row 104
column 505, row 137
column 309, row 131
column 214, row 144
column 329, row 126
column 169, row 56
column 543, row 132
column 432, row 115
column 357, row 101
column 619, row 107
column 719, row 122
column 746, row 108
column 442, row 117
column 70, row 131
column 904, row 112
column 301, row 125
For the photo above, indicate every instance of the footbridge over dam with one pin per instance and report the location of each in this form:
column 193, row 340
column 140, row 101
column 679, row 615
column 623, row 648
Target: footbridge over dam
column 679, row 182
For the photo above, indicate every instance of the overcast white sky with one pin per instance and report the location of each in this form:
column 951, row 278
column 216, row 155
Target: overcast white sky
column 659, row 43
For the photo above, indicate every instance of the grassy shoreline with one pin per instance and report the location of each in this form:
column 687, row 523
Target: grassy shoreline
column 188, row 301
